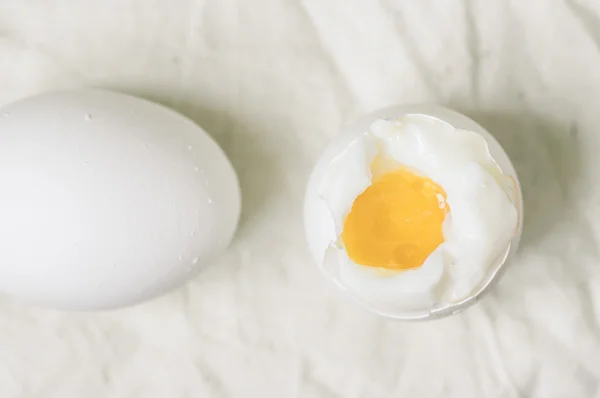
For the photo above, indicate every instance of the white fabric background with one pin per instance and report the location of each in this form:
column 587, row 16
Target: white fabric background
column 272, row 81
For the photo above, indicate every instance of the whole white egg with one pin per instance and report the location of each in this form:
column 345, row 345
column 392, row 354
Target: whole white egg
column 107, row 200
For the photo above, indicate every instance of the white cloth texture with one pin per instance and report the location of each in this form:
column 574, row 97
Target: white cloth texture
column 273, row 81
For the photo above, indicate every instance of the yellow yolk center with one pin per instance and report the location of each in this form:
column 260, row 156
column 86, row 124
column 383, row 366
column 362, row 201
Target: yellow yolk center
column 396, row 222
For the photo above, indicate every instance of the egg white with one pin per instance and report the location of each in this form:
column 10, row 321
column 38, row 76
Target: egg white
column 477, row 231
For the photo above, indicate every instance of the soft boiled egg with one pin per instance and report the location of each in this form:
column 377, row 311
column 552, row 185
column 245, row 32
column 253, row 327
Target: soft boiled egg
column 107, row 199
column 413, row 210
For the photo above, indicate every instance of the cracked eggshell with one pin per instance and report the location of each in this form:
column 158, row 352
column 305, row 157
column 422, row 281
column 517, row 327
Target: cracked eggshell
column 320, row 227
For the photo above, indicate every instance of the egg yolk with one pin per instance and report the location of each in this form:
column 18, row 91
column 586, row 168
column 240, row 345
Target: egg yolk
column 396, row 223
